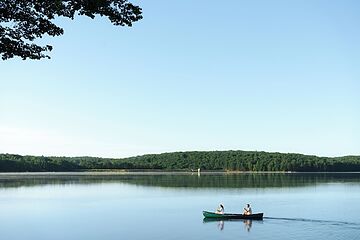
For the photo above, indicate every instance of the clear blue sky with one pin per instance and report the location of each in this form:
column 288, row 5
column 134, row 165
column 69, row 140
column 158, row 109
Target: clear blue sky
column 192, row 75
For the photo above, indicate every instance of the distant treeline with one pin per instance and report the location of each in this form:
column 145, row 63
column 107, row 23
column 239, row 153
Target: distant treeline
column 211, row 160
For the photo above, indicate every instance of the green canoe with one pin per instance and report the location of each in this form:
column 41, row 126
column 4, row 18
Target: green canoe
column 255, row 216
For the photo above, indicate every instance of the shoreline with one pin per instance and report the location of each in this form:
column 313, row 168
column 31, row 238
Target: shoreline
column 152, row 172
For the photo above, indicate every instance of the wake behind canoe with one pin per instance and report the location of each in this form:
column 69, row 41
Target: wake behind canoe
column 256, row 216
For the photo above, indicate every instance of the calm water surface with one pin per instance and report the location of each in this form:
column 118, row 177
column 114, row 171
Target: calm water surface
column 169, row 206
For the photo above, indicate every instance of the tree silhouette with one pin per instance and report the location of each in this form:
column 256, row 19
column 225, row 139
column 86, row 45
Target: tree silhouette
column 23, row 21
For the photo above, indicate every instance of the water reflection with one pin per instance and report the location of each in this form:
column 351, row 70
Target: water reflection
column 181, row 180
column 248, row 224
column 93, row 206
column 221, row 223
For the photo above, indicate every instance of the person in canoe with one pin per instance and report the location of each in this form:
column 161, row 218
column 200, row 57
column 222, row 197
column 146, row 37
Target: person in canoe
column 247, row 210
column 220, row 209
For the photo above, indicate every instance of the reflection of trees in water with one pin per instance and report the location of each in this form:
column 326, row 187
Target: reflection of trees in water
column 242, row 180
column 245, row 180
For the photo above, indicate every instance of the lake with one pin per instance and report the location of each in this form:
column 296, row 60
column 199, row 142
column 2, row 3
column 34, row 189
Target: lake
column 169, row 206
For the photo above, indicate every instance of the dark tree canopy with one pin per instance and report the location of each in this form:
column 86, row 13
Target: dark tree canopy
column 216, row 160
column 23, row 21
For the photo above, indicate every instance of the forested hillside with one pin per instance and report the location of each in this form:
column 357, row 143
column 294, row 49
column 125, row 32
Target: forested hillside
column 211, row 160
